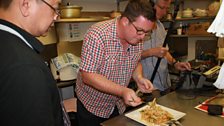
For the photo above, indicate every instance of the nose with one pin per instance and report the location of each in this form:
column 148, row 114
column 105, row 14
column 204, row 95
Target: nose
column 142, row 36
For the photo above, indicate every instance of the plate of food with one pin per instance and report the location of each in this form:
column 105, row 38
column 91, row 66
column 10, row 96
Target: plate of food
column 154, row 114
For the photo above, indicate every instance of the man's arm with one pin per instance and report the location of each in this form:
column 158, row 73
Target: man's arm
column 178, row 65
column 102, row 84
column 158, row 52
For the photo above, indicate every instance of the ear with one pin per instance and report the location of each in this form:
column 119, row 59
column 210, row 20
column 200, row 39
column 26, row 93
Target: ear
column 125, row 21
column 24, row 6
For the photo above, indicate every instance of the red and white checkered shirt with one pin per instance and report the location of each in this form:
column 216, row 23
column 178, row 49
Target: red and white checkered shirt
column 102, row 53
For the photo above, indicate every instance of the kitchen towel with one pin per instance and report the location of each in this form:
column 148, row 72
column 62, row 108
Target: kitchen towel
column 219, row 83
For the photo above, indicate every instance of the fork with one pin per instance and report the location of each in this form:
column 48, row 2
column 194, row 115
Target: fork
column 173, row 122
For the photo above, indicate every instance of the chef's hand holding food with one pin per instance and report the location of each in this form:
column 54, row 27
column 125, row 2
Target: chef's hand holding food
column 144, row 85
column 130, row 97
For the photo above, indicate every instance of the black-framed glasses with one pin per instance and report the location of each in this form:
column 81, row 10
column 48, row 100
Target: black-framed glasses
column 141, row 31
column 57, row 11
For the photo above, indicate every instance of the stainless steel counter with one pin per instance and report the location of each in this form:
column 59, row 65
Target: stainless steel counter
column 193, row 116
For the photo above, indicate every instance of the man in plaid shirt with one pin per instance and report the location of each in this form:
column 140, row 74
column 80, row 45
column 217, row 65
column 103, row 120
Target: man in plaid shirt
column 110, row 56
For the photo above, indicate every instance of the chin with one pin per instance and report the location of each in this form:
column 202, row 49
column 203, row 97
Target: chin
column 44, row 35
column 133, row 43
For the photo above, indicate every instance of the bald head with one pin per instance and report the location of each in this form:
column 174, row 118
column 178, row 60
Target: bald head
column 26, row 13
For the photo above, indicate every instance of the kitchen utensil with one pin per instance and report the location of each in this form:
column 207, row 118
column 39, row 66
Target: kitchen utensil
column 213, row 8
column 200, row 12
column 187, row 13
column 70, row 11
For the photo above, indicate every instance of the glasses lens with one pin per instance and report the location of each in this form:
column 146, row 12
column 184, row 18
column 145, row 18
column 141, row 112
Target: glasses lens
column 141, row 32
column 57, row 11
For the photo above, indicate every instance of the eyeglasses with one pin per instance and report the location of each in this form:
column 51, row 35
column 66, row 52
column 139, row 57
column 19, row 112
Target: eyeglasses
column 57, row 11
column 141, row 32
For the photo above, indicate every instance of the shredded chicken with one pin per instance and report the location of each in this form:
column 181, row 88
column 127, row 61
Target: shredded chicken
column 155, row 114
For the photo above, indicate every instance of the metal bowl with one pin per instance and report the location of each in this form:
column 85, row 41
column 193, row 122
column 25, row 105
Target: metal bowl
column 70, row 11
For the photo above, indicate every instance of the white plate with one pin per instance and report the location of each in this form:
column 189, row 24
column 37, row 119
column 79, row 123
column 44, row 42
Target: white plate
column 136, row 115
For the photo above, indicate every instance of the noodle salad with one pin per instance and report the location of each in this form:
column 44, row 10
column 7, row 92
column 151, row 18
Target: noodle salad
column 155, row 114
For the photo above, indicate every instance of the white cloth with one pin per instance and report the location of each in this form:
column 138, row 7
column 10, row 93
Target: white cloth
column 217, row 26
column 219, row 83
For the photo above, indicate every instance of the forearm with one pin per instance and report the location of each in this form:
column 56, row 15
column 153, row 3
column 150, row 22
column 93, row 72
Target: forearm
column 143, row 84
column 170, row 58
column 146, row 53
column 102, row 84
column 137, row 74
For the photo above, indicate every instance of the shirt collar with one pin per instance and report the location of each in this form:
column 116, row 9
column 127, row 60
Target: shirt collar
column 35, row 43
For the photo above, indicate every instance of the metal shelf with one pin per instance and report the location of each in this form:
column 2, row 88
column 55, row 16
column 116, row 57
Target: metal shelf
column 190, row 19
column 205, row 35
column 83, row 19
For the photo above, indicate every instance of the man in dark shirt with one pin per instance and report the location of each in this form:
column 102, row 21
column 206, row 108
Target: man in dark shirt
column 28, row 91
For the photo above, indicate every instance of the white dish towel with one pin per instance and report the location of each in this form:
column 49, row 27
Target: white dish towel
column 219, row 83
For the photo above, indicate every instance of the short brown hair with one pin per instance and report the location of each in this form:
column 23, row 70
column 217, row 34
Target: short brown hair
column 5, row 3
column 136, row 8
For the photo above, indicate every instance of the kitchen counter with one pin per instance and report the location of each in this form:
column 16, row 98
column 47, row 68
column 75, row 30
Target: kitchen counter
column 173, row 100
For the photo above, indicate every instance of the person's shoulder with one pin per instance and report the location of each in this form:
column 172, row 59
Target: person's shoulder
column 17, row 53
column 103, row 25
column 159, row 23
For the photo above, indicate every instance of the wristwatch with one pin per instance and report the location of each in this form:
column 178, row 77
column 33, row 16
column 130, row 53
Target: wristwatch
column 175, row 62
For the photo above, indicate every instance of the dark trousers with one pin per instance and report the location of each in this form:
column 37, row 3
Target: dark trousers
column 86, row 118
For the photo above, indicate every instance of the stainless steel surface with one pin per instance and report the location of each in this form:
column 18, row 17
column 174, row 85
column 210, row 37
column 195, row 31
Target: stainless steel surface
column 193, row 116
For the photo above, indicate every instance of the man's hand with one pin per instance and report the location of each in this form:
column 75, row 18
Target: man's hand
column 182, row 66
column 130, row 98
column 159, row 51
column 144, row 85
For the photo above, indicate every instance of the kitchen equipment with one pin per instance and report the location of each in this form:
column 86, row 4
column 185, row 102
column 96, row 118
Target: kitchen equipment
column 179, row 15
column 65, row 67
column 187, row 13
column 200, row 12
column 198, row 28
column 70, row 11
column 179, row 31
column 217, row 25
column 213, row 8
column 65, row 74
